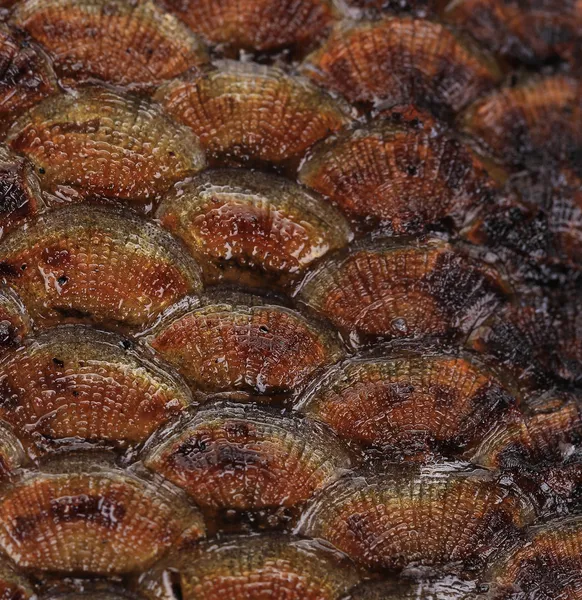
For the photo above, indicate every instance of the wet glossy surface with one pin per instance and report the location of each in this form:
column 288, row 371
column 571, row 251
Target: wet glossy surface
column 14, row 319
column 249, row 114
column 74, row 383
column 393, row 290
column 25, row 76
column 137, row 44
column 89, row 517
column 73, row 265
column 243, row 343
column 409, row 404
column 290, row 300
column 19, row 191
column 277, row 567
column 98, row 143
column 245, row 458
column 433, row 516
column 14, row 586
column 549, row 566
column 399, row 177
column 546, row 431
column 252, row 228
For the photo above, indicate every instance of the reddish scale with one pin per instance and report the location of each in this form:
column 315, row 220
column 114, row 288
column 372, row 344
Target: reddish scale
column 244, row 458
column 548, row 566
column 545, row 433
column 74, row 263
column 25, row 77
column 247, row 114
column 396, row 291
column 73, row 382
column 262, row 350
column 98, row 143
column 256, row 25
column 137, row 44
column 149, row 44
column 400, row 61
column 273, row 567
column 530, row 124
column 252, row 228
column 526, row 30
column 409, row 404
column 399, row 177
column 432, row 516
column 89, row 518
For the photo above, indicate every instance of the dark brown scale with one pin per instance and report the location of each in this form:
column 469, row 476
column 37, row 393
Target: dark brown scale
column 244, row 568
column 409, row 404
column 140, row 412
column 400, row 61
column 240, row 457
column 398, row 177
column 538, row 338
column 543, row 225
column 434, row 517
column 75, row 383
column 562, row 486
column 374, row 8
column 544, row 433
column 531, row 31
column 244, row 343
column 98, row 143
column 252, row 228
column 14, row 320
column 531, row 124
column 547, row 567
column 19, row 191
column 393, row 290
column 247, row 114
column 94, row 265
column 137, row 44
column 80, row 515
column 449, row 588
column 256, row 25
column 25, row 76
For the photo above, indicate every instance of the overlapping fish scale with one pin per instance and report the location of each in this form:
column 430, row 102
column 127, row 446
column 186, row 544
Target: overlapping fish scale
column 248, row 114
column 83, row 514
column 240, row 342
column 74, row 383
column 490, row 363
column 138, row 44
column 96, row 142
column 96, row 265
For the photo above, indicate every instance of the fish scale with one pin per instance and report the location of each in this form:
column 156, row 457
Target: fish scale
column 290, row 300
